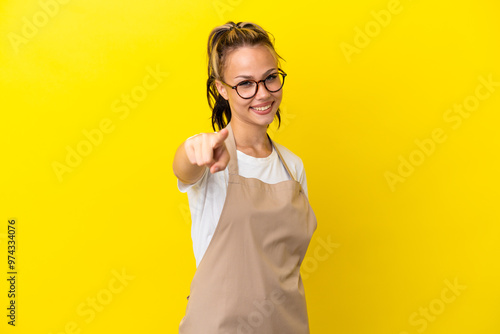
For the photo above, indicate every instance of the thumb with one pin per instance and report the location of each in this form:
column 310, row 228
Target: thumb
column 222, row 159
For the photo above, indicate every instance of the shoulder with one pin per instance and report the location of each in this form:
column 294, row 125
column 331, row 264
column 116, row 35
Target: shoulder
column 293, row 161
column 291, row 158
column 295, row 164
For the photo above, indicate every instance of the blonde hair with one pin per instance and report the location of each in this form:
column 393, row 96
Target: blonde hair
column 221, row 42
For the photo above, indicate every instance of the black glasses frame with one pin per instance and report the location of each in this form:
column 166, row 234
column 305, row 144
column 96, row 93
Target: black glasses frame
column 280, row 72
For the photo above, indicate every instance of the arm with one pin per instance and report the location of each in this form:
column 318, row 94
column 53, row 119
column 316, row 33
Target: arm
column 199, row 152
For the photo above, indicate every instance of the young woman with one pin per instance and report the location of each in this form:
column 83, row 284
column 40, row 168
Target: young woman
column 251, row 220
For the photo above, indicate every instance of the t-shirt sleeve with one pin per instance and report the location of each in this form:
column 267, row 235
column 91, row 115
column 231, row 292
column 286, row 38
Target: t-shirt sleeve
column 184, row 187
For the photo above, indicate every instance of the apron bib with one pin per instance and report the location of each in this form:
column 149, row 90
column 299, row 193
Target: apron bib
column 248, row 280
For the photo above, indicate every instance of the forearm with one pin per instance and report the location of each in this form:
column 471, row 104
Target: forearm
column 184, row 170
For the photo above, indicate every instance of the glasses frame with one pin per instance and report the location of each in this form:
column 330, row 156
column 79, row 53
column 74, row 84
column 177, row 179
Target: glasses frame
column 235, row 87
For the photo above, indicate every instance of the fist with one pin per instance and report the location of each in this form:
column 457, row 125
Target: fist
column 208, row 149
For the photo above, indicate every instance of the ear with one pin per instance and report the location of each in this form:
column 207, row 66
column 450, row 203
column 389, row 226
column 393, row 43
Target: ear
column 222, row 89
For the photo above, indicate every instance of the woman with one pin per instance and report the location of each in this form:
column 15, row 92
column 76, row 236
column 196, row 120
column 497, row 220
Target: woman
column 251, row 220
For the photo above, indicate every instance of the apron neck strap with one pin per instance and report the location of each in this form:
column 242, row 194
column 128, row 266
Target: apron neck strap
column 282, row 160
column 233, row 161
column 231, row 148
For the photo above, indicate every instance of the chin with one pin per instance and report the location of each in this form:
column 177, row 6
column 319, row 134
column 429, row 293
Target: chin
column 265, row 119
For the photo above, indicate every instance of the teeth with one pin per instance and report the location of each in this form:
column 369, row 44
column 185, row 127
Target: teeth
column 263, row 108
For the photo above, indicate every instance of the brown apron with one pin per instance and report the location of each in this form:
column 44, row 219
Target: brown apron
column 248, row 280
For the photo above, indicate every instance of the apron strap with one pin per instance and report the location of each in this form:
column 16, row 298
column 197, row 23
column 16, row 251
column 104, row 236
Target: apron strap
column 233, row 161
column 281, row 158
column 231, row 148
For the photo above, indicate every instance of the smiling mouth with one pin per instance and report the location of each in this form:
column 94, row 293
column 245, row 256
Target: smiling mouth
column 263, row 108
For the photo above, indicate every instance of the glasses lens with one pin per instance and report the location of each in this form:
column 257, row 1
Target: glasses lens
column 246, row 89
column 274, row 82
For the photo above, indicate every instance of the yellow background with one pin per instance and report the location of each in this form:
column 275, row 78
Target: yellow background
column 350, row 118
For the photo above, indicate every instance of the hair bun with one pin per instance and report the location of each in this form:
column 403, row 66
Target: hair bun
column 234, row 26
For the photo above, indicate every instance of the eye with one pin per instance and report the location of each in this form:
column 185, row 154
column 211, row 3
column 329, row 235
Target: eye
column 272, row 77
column 245, row 83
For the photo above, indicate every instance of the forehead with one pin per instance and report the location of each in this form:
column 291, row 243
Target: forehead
column 249, row 60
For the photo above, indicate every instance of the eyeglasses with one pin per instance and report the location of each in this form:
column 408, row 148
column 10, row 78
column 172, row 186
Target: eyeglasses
column 248, row 88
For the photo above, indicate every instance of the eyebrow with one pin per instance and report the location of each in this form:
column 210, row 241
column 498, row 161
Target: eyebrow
column 250, row 77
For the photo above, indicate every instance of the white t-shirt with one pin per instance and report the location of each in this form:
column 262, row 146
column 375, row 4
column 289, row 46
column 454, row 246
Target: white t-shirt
column 206, row 196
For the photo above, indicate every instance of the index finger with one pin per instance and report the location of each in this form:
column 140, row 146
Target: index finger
column 220, row 137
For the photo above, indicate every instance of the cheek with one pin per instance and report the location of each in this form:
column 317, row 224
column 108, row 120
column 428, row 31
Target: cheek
column 278, row 98
column 238, row 103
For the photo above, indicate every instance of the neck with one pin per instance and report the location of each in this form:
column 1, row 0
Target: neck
column 251, row 138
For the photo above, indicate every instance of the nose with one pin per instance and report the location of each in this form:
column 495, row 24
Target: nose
column 262, row 92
